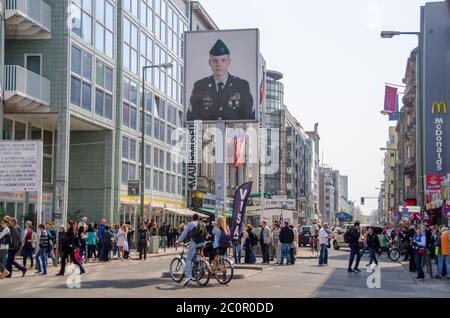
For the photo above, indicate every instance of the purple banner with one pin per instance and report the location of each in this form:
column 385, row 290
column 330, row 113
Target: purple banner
column 390, row 97
column 240, row 202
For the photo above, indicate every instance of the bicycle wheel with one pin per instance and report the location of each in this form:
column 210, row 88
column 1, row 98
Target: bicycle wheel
column 201, row 272
column 177, row 269
column 394, row 254
column 224, row 271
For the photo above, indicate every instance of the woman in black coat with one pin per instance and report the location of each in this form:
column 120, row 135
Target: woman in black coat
column 68, row 249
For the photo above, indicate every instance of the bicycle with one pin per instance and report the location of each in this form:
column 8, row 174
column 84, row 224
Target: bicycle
column 220, row 267
column 396, row 250
column 200, row 267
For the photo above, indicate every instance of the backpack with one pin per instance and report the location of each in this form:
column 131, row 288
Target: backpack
column 347, row 236
column 198, row 233
column 225, row 240
column 6, row 240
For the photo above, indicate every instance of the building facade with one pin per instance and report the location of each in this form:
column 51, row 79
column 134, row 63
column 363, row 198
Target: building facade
column 315, row 171
column 83, row 61
column 327, row 195
column 389, row 186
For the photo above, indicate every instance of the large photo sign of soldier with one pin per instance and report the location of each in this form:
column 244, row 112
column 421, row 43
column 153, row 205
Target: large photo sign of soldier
column 222, row 76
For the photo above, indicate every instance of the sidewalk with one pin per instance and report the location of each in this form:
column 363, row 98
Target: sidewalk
column 53, row 270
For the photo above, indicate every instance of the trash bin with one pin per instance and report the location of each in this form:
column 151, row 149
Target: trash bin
column 154, row 245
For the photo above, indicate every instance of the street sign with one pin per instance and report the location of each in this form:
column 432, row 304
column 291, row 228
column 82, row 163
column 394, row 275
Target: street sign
column 133, row 188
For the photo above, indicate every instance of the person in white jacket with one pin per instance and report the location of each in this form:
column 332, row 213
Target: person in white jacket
column 323, row 240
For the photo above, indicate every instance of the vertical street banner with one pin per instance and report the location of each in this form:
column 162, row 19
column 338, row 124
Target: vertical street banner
column 395, row 116
column 240, row 203
column 390, row 99
column 435, row 59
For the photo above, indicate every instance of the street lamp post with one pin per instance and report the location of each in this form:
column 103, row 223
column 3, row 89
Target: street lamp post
column 142, row 175
column 419, row 114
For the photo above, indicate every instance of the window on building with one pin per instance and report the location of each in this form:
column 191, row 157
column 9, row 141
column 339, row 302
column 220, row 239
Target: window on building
column 130, row 46
column 104, row 27
column 129, row 105
column 81, row 85
column 81, row 17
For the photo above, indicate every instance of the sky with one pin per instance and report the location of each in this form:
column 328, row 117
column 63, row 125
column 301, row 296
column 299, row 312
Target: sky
column 335, row 66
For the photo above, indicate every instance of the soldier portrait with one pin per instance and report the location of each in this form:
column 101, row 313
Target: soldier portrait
column 222, row 95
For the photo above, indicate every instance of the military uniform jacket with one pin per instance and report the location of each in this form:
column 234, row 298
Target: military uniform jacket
column 234, row 103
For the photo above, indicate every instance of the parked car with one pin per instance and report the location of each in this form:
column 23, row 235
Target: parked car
column 304, row 236
column 338, row 237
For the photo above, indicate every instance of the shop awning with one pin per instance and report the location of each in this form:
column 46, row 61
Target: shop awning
column 344, row 216
column 212, row 212
column 184, row 212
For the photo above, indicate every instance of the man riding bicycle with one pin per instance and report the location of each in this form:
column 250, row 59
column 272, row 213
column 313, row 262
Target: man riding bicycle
column 197, row 234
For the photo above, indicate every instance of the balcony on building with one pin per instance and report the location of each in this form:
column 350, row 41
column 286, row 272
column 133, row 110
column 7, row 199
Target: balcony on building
column 28, row 20
column 25, row 91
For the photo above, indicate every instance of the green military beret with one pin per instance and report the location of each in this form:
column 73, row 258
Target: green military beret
column 219, row 49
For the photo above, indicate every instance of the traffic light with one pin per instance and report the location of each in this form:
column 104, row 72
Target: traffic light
column 362, row 200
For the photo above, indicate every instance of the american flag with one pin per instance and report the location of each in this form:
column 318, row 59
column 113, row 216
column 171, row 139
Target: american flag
column 262, row 88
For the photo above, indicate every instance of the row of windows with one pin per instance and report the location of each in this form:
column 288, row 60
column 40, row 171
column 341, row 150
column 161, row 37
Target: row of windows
column 166, row 24
column 150, row 53
column 82, row 84
column 83, row 24
column 161, row 159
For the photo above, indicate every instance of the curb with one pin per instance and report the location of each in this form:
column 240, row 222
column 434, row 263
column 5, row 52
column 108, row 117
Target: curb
column 250, row 267
column 235, row 276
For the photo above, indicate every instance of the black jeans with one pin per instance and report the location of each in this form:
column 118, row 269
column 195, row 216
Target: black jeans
column 354, row 252
column 373, row 257
column 11, row 262
column 66, row 252
column 91, row 251
column 418, row 261
column 142, row 248
column 265, row 252
column 106, row 248
column 292, row 256
column 27, row 252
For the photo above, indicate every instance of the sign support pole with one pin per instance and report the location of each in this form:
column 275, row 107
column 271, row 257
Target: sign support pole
column 39, row 192
column 221, row 166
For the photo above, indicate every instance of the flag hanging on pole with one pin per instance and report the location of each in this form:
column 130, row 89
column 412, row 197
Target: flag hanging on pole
column 262, row 88
column 239, row 148
column 395, row 116
column 390, row 97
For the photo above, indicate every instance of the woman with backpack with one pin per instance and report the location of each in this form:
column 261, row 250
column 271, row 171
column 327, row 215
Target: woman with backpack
column 222, row 238
column 5, row 240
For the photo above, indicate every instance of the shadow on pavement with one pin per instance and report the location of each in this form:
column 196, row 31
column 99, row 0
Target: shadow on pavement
column 122, row 283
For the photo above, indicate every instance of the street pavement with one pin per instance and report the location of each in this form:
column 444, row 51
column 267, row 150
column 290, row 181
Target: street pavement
column 135, row 278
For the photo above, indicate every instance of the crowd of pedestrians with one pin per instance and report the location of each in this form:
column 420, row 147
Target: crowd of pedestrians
column 77, row 243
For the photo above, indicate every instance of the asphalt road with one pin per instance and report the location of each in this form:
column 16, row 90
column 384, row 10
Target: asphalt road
column 139, row 279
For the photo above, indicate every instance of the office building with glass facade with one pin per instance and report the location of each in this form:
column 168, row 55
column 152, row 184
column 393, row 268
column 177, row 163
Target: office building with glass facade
column 72, row 73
